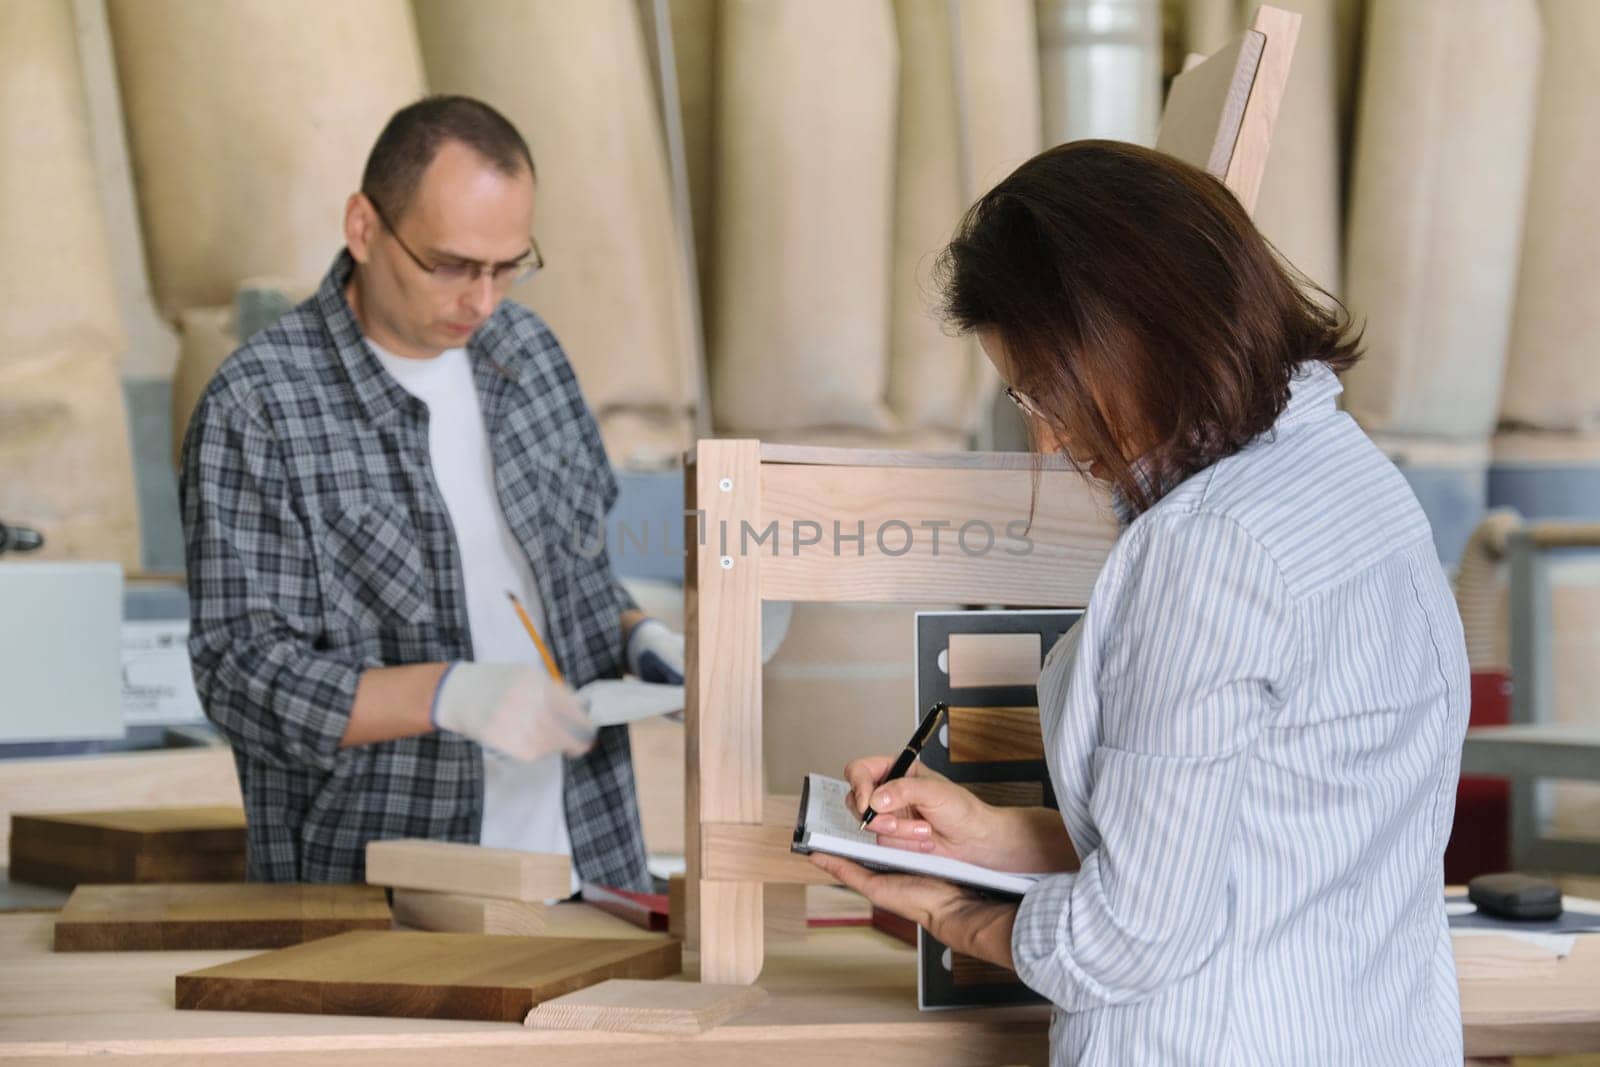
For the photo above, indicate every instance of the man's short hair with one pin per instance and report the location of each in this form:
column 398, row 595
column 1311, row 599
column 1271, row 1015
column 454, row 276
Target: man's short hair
column 413, row 136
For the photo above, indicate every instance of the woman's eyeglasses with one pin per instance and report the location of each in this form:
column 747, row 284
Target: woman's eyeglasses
column 1027, row 406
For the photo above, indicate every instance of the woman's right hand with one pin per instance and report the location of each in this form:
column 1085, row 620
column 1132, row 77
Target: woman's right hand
column 926, row 812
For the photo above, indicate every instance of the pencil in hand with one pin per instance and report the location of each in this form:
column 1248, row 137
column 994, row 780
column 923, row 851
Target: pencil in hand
column 538, row 642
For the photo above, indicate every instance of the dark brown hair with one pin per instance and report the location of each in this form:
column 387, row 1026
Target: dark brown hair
column 1137, row 303
column 414, row 134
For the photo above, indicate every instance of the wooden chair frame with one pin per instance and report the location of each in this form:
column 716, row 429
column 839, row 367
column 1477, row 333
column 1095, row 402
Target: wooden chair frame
column 891, row 527
column 770, row 522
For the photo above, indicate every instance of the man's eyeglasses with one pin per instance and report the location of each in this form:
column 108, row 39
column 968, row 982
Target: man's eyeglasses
column 1022, row 402
column 458, row 274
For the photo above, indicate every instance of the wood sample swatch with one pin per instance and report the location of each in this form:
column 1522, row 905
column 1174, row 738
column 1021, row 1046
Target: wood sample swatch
column 647, row 1007
column 400, row 973
column 995, row 735
column 971, row 971
column 451, row 867
column 110, row 918
column 66, row 849
column 980, row 660
column 462, row 913
column 1008, row 794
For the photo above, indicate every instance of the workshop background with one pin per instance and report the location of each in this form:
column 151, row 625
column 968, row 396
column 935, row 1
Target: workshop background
column 739, row 202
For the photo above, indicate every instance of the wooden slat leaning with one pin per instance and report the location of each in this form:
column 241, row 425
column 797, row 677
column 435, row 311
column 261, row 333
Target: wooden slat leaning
column 1221, row 111
column 767, row 522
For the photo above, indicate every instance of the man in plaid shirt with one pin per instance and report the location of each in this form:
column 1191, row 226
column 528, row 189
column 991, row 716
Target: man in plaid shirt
column 362, row 484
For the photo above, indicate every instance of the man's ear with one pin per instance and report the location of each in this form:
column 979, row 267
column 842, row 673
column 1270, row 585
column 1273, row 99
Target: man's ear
column 360, row 223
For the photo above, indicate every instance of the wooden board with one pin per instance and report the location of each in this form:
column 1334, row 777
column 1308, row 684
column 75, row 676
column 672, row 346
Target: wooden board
column 180, row 844
column 450, row 867
column 462, row 913
column 423, row 975
column 978, row 660
column 111, row 918
column 647, row 1007
column 1205, row 106
column 995, row 735
column 119, row 780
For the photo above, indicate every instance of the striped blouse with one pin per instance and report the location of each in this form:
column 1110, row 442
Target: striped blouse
column 1255, row 735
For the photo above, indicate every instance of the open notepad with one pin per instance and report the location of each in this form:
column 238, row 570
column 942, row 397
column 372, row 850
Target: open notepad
column 826, row 825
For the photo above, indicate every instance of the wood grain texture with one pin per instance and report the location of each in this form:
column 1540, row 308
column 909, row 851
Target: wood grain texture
column 462, row 913
column 1008, row 794
column 121, row 780
column 783, row 912
column 994, row 735
column 844, row 994
column 723, row 768
column 928, row 535
column 177, row 844
column 975, row 660
column 732, row 852
column 1249, row 163
column 422, row 975
column 967, row 971
column 629, row 1006
column 825, row 456
column 110, row 918
column 451, row 867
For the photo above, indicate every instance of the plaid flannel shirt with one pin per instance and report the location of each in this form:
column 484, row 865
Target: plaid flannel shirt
column 318, row 546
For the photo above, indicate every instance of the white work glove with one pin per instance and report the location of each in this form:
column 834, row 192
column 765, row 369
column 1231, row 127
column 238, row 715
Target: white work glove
column 514, row 709
column 655, row 653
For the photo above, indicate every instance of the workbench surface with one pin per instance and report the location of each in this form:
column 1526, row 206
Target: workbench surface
column 841, row 992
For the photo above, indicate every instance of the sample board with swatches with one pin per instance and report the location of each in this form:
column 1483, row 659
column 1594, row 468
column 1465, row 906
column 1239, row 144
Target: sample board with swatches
column 985, row 666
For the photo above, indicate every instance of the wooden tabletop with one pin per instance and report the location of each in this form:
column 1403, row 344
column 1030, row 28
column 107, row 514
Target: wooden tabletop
column 845, row 992
column 837, row 994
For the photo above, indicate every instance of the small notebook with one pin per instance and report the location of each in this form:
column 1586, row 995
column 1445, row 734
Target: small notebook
column 826, row 825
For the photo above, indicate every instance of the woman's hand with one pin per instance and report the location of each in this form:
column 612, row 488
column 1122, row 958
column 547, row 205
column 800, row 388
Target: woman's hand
column 922, row 812
column 926, row 812
column 958, row 917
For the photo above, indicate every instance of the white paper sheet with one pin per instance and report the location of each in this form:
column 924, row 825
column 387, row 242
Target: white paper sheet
column 613, row 701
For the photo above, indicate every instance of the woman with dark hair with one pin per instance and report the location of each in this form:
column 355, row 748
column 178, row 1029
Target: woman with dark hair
column 1254, row 733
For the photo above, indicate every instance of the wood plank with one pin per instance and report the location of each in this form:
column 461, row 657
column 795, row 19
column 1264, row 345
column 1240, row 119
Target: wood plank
column 452, row 867
column 1206, row 104
column 629, row 1006
column 737, row 852
column 110, row 918
column 906, row 459
column 464, row 913
column 194, row 776
column 422, row 975
column 723, row 755
column 994, row 735
column 1281, row 29
column 168, row 844
column 929, row 536
column 977, row 660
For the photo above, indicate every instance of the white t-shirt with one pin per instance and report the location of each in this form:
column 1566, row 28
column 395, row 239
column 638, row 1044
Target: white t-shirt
column 523, row 803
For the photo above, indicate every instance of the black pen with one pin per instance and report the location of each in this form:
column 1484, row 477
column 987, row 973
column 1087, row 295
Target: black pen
column 909, row 754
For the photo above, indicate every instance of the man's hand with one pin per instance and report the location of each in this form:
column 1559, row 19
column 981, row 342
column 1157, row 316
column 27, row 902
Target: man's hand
column 514, row 709
column 655, row 653
column 958, row 917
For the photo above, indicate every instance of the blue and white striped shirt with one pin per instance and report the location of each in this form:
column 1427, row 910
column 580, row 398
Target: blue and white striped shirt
column 1255, row 735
